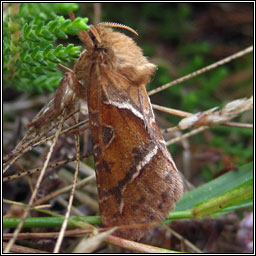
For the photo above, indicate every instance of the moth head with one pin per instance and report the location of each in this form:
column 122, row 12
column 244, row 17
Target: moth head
column 116, row 51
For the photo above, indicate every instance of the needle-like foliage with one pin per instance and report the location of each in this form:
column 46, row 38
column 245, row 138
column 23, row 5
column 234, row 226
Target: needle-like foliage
column 31, row 50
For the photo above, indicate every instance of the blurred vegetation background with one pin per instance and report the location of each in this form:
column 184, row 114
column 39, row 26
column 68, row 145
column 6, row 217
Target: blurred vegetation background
column 179, row 38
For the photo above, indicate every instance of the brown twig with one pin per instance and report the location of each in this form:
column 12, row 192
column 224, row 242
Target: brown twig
column 172, row 111
column 135, row 246
column 22, row 249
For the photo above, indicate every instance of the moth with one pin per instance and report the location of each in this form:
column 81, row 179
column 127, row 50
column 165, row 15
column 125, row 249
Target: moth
column 137, row 179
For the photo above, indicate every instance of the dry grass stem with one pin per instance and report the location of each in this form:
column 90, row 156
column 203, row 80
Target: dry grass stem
column 69, row 233
column 180, row 237
column 64, row 190
column 171, row 111
column 22, row 249
column 201, row 71
column 88, row 245
column 186, row 135
column 240, row 125
column 211, row 117
column 71, row 198
column 35, row 170
column 26, row 145
column 134, row 246
column 33, row 196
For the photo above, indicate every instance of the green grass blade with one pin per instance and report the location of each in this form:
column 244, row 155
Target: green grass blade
column 216, row 187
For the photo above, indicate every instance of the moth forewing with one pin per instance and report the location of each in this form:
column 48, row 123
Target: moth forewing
column 137, row 180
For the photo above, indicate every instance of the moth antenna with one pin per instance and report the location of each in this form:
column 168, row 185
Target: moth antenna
column 117, row 25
